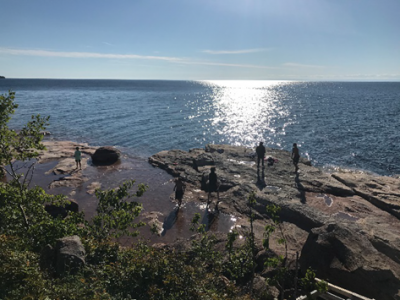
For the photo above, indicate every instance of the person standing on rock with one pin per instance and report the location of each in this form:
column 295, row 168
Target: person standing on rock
column 77, row 156
column 295, row 157
column 179, row 189
column 213, row 185
column 260, row 150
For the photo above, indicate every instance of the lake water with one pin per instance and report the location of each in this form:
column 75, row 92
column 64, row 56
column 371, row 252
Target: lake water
column 352, row 125
column 336, row 125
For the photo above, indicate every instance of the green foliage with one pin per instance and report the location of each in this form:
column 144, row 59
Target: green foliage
column 18, row 146
column 241, row 260
column 33, row 224
column 309, row 283
column 115, row 214
column 203, row 253
column 149, row 273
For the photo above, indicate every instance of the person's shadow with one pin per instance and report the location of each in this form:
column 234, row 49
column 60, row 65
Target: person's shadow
column 261, row 184
column 300, row 188
column 210, row 217
column 170, row 220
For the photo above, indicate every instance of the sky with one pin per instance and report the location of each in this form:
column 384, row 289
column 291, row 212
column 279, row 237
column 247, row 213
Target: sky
column 328, row 40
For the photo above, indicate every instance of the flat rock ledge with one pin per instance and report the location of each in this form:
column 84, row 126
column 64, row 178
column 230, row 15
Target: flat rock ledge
column 352, row 217
column 63, row 153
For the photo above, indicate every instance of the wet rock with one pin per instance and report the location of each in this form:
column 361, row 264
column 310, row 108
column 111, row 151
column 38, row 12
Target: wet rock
column 152, row 219
column 68, row 181
column 58, row 150
column 62, row 211
column 67, row 166
column 91, row 189
column 63, row 152
column 106, row 155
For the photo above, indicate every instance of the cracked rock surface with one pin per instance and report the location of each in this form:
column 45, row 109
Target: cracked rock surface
column 346, row 225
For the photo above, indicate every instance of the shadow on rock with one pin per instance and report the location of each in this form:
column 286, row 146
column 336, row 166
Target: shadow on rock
column 210, row 218
column 261, row 184
column 170, row 220
column 300, row 187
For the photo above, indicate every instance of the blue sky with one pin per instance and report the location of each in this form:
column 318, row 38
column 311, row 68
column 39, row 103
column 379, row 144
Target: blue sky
column 201, row 39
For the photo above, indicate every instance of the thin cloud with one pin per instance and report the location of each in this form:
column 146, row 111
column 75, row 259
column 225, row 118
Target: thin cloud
column 244, row 51
column 108, row 44
column 226, row 64
column 47, row 53
column 296, row 65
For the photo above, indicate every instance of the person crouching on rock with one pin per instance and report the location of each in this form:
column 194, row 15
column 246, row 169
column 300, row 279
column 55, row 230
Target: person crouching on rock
column 213, row 185
column 77, row 156
column 295, row 157
column 179, row 189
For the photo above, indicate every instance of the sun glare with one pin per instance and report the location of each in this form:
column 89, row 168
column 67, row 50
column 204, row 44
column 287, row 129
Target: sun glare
column 244, row 110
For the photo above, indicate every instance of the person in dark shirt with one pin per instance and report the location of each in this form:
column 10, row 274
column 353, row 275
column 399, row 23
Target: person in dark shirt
column 295, row 157
column 213, row 185
column 260, row 150
column 179, row 189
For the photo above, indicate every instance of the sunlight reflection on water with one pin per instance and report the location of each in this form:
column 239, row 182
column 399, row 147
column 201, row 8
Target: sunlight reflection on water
column 244, row 111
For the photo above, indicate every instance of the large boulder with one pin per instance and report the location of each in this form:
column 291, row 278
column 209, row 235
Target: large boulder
column 106, row 155
column 347, row 258
column 70, row 255
column 67, row 257
column 62, row 211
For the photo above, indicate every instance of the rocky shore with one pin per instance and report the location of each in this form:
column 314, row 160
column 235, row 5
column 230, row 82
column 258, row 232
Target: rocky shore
column 345, row 225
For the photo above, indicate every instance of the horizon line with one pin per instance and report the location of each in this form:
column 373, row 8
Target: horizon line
column 148, row 79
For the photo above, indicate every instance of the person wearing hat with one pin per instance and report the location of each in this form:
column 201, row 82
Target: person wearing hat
column 260, row 150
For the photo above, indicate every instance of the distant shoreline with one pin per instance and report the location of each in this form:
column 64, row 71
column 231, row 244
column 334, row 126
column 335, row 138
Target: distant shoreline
column 211, row 80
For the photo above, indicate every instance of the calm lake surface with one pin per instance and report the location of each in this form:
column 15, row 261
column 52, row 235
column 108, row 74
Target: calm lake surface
column 352, row 125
